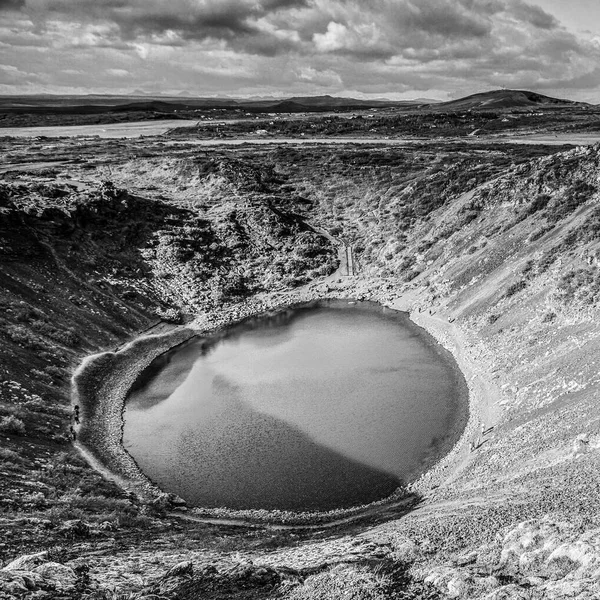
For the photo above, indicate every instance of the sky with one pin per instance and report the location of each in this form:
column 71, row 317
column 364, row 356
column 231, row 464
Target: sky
column 398, row 49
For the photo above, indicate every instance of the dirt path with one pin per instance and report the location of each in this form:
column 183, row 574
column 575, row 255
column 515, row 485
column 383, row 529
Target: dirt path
column 383, row 512
column 484, row 396
column 346, row 265
column 160, row 128
column 350, row 268
column 484, row 410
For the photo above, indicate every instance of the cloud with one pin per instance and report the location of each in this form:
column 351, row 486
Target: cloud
column 118, row 72
column 11, row 4
column 326, row 78
column 534, row 15
column 249, row 45
column 12, row 75
column 234, row 21
column 364, row 40
column 446, row 18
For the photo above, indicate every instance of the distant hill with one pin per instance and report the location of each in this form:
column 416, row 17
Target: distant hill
column 506, row 99
column 335, row 102
column 94, row 104
column 97, row 104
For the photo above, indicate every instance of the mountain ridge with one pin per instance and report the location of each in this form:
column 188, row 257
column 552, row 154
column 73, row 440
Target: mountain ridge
column 488, row 100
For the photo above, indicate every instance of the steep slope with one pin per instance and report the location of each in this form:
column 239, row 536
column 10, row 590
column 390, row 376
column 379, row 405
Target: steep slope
column 80, row 271
column 495, row 254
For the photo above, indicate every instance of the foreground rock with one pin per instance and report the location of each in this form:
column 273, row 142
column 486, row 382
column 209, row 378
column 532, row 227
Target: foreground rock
column 35, row 574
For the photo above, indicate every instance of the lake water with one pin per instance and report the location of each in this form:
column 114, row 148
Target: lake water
column 329, row 405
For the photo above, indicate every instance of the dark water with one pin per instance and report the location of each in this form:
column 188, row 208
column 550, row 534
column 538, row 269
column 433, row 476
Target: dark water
column 321, row 407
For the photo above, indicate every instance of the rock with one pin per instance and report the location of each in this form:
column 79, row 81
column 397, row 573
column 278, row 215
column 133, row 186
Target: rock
column 74, row 527
column 27, row 562
column 407, row 551
column 14, row 588
column 185, row 568
column 456, row 587
column 177, row 500
column 466, row 559
column 18, row 581
column 106, row 526
column 208, row 571
column 30, row 579
column 161, row 502
column 509, row 592
column 57, row 575
column 527, row 546
column 43, row 523
column 581, row 445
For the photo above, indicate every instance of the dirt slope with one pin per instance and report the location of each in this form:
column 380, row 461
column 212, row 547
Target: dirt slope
column 499, row 261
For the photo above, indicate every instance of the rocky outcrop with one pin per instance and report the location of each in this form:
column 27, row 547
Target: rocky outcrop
column 35, row 574
column 538, row 559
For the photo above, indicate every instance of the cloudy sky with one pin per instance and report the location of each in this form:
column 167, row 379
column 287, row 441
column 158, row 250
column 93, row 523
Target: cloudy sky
column 389, row 48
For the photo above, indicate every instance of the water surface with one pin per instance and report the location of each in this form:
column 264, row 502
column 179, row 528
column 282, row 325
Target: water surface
column 324, row 406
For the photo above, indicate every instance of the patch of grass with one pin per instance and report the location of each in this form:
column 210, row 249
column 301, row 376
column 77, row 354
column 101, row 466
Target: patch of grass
column 582, row 285
column 548, row 259
column 577, row 194
column 383, row 580
column 10, row 456
column 549, row 317
column 13, row 425
column 343, row 581
column 515, row 288
column 538, row 233
column 538, row 203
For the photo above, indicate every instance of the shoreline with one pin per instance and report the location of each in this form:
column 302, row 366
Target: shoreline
column 482, row 413
column 102, row 382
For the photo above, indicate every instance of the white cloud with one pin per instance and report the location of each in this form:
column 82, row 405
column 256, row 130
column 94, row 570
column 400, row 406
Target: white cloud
column 266, row 46
column 326, row 78
column 337, row 37
column 118, row 72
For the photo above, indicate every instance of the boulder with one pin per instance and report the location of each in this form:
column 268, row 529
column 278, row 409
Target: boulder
column 182, row 569
column 74, row 527
column 57, row 575
column 27, row 562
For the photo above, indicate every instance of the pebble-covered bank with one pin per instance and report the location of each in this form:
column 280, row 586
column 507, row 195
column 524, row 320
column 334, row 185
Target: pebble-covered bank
column 102, row 382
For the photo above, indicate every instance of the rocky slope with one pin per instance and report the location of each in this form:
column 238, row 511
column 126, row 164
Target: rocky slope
column 81, row 269
column 495, row 253
column 506, row 276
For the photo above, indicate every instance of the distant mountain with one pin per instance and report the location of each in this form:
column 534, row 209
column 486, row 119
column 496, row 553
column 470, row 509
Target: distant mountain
column 70, row 104
column 139, row 100
column 338, row 102
column 506, row 99
column 150, row 105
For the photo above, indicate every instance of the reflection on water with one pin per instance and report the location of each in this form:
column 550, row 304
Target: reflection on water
column 320, row 407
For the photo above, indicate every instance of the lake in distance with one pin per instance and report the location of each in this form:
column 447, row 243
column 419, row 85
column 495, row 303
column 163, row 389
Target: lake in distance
column 324, row 406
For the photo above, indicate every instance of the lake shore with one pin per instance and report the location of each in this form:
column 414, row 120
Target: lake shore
column 102, row 382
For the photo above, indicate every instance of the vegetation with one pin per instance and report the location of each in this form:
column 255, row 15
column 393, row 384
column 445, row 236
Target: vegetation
column 137, row 232
column 425, row 123
column 386, row 579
